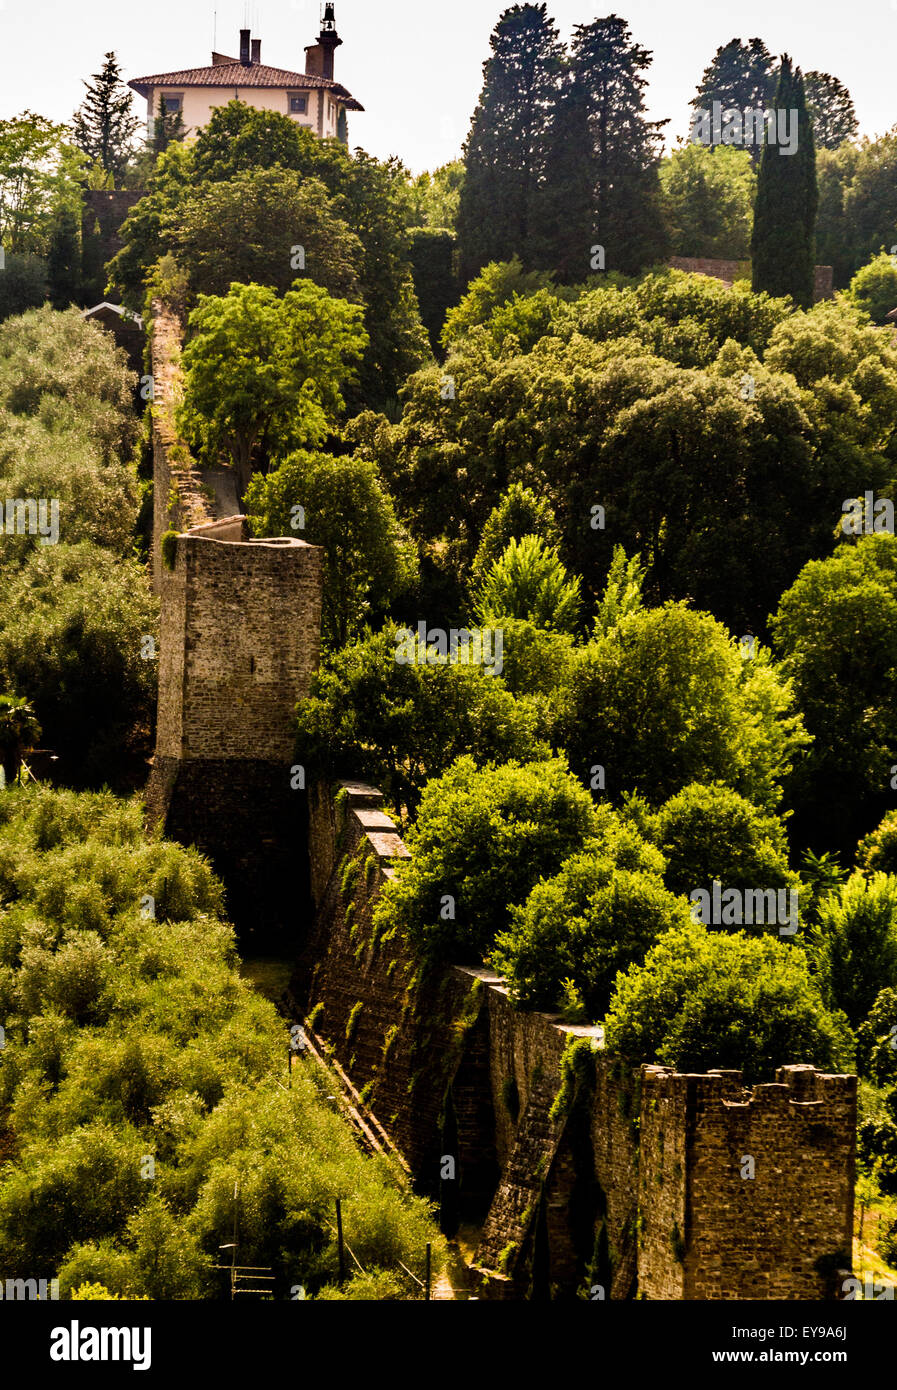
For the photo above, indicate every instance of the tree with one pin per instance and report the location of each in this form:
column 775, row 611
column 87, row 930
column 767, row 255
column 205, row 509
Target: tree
column 436, row 197
column 38, row 170
column 23, row 285
column 72, row 633
column 706, row 999
column 599, row 915
column 624, row 147
column 168, row 126
column 666, row 698
column 64, row 260
column 435, row 283
column 404, row 724
column 783, row 244
column 505, row 152
column 344, row 508
column 622, row 592
column 855, row 943
column 56, row 365
column 877, row 853
column 263, row 376
column 831, row 110
column 496, row 284
column 876, row 1054
column 115, row 1063
column 741, row 77
column 482, row 839
column 519, row 513
column 528, row 581
column 19, row 731
column 709, row 832
column 368, row 196
column 265, row 227
column 104, row 124
column 836, row 628
column 708, row 198
column 874, row 288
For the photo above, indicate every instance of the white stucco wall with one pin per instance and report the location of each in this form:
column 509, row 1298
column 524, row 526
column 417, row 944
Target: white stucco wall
column 198, row 103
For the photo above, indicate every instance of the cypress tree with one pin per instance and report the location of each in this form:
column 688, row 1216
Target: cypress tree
column 64, row 260
column 564, row 222
column 623, row 148
column 168, row 126
column 104, row 125
column 783, row 244
column 506, row 150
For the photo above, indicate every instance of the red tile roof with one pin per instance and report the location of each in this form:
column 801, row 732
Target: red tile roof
column 243, row 75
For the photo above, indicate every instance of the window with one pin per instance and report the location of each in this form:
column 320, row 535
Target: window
column 298, row 105
column 172, row 105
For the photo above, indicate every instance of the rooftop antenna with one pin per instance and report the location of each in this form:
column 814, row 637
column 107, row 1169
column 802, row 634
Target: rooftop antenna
column 214, row 30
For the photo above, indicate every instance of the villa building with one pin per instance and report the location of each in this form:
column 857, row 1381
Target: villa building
column 312, row 98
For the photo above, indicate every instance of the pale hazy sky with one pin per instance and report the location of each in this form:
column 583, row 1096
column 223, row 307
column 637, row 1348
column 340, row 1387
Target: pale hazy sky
column 416, row 65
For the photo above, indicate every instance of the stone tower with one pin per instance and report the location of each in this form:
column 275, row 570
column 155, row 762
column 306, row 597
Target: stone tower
column 241, row 622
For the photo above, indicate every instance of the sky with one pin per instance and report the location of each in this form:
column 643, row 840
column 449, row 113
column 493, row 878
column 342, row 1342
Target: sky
column 416, row 65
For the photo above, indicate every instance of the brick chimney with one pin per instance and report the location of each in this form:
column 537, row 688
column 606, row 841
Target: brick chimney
column 244, row 48
column 256, row 51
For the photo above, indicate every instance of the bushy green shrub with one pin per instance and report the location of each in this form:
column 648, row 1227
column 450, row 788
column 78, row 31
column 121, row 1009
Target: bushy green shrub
column 705, row 999
column 592, row 920
column 709, row 832
column 141, row 1081
column 482, row 839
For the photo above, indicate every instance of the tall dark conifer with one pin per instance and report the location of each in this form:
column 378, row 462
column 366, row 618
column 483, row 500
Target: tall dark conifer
column 64, row 259
column 743, row 77
column 624, row 147
column 104, row 125
column 783, row 245
column 564, row 222
column 506, row 150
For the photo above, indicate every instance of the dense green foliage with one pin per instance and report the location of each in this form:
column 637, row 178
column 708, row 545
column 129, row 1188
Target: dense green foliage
column 783, row 242
column 482, row 839
column 708, row 833
column 666, row 698
column 264, row 375
column 343, row 507
column 131, row 1037
column 599, row 915
column 708, row 197
column 837, row 629
column 227, row 204
column 706, row 999
column 404, row 723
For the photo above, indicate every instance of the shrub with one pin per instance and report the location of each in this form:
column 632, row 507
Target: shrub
column 706, row 999
column 482, row 839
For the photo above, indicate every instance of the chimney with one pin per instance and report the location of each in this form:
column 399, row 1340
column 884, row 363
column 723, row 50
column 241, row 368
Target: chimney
column 256, row 50
column 244, row 48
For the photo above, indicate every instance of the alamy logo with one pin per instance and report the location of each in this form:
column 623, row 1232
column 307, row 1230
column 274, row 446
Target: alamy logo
column 867, row 517
column 77, row 1343
column 736, row 907
column 29, row 516
column 480, row 646
column 29, row 1290
column 733, row 126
